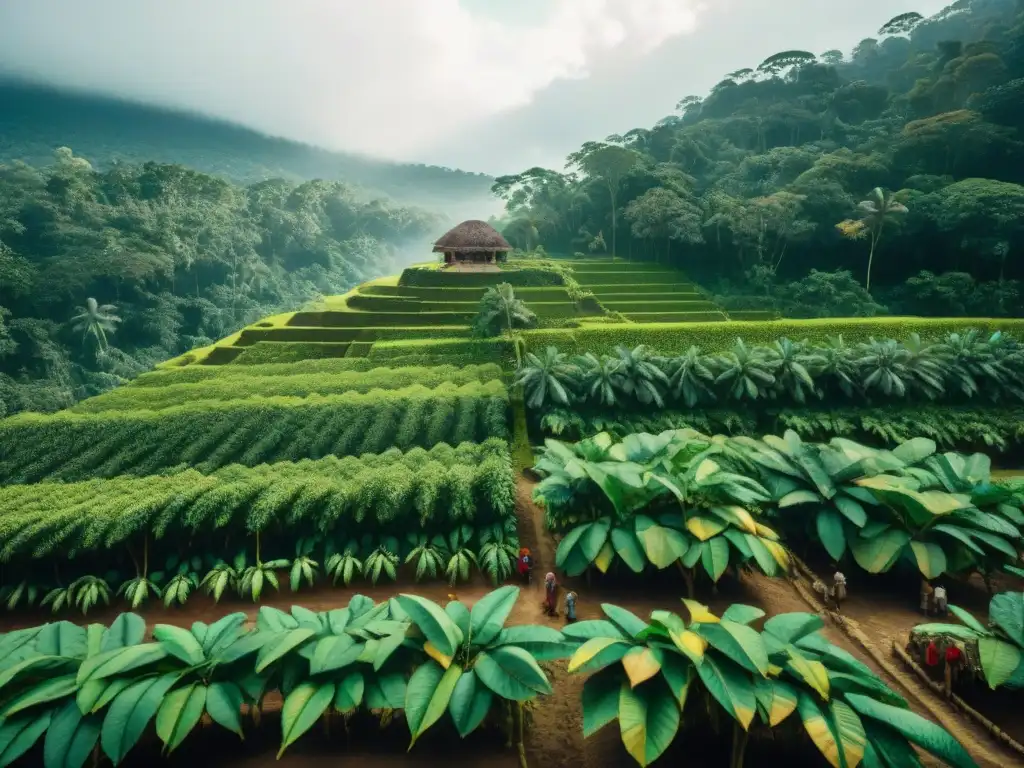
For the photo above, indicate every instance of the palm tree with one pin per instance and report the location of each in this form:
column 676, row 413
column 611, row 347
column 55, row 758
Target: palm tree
column 601, row 381
column 500, row 304
column 643, row 375
column 877, row 210
column 96, row 320
column 549, row 377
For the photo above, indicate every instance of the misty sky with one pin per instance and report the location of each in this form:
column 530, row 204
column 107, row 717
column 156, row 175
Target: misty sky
column 485, row 85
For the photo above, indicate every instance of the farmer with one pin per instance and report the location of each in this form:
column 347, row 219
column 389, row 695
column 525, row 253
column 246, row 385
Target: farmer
column 931, row 654
column 954, row 658
column 926, row 597
column 838, row 588
column 941, row 602
column 525, row 561
column 550, row 594
column 570, row 606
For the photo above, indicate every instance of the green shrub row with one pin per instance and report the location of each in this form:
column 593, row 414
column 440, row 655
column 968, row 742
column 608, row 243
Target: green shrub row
column 359, row 349
column 659, row 306
column 331, row 319
column 330, row 366
column 451, row 293
column 525, row 277
column 626, row 279
column 246, row 385
column 265, row 352
column 951, row 427
column 671, row 338
column 392, row 304
column 340, row 334
column 498, row 351
column 715, row 316
column 630, row 289
column 75, row 446
column 387, row 494
column 637, row 298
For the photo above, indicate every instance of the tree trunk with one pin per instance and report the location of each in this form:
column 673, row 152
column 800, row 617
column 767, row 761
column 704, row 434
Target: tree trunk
column 739, row 746
column 615, row 219
column 871, row 259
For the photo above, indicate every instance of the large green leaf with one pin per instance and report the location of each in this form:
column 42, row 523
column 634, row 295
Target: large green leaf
column 61, row 638
column 127, row 629
column 1006, row 611
column 436, row 625
column 130, row 713
column 836, row 731
column 878, row 554
column 428, row 695
column 830, row 531
column 224, row 705
column 511, row 673
column 851, row 509
column 19, row 733
column 179, row 713
column 776, row 699
column 470, row 702
column 334, row 652
column 543, row 643
column 715, row 557
column 930, row 558
column 663, row 546
column 968, row 619
column 625, row 620
column 349, row 695
column 999, row 659
column 40, row 693
column 489, row 613
column 627, row 547
column 179, row 643
column 731, row 686
column 280, row 645
column 739, row 642
column 791, row 627
column 302, row 708
column 120, row 660
column 924, row 733
column 70, row 737
column 648, row 720
column 600, row 700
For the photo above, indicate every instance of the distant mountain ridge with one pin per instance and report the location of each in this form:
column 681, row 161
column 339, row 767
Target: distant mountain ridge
column 36, row 119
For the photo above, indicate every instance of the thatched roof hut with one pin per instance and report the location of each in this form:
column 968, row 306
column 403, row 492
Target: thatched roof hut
column 472, row 241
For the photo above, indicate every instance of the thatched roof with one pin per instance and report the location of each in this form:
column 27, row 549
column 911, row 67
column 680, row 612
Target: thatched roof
column 473, row 235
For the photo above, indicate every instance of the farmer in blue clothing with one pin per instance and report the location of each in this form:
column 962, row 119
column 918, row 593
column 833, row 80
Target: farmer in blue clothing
column 570, row 606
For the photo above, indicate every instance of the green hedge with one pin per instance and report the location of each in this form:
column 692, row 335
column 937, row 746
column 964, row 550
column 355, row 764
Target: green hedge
column 631, row 290
column 292, row 334
column 329, row 319
column 633, row 298
column 222, row 355
column 661, row 307
column 753, row 315
column 476, row 350
column 209, row 434
column 619, row 265
column 674, row 338
column 195, row 373
column 625, row 279
column 359, row 349
column 710, row 316
column 442, row 278
column 289, row 352
column 391, row 304
column 555, row 293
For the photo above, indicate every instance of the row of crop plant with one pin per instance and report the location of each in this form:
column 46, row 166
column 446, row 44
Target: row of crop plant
column 210, row 434
column 442, row 513
column 241, row 383
column 706, row 504
column 69, row 692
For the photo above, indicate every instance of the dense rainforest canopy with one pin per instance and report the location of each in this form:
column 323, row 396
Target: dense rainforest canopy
column 792, row 175
column 103, row 274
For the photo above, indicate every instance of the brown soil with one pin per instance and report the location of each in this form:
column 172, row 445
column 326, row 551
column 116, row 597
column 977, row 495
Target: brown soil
column 555, row 738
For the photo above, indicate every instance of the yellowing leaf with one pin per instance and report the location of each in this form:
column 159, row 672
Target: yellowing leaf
column 589, row 650
column 811, row 672
column 705, row 470
column 743, row 519
column 778, row 552
column 604, row 558
column 641, row 664
column 765, row 532
column 699, row 612
column 704, row 527
column 690, row 643
column 436, row 655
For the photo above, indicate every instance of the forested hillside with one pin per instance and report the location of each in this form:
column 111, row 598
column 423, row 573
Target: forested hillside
column 794, row 175
column 34, row 121
column 103, row 274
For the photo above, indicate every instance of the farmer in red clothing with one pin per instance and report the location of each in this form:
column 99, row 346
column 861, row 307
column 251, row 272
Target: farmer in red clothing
column 525, row 561
column 931, row 654
column 954, row 658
